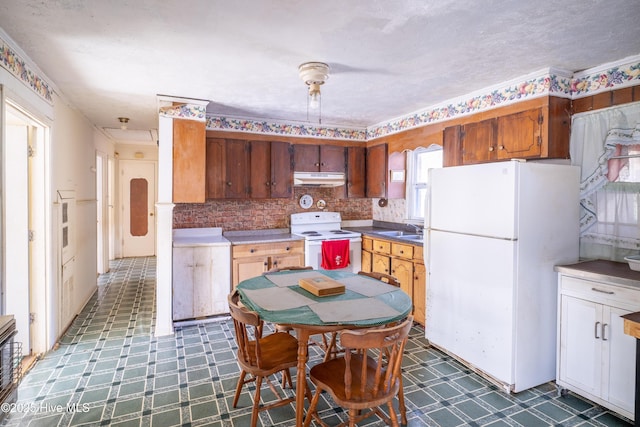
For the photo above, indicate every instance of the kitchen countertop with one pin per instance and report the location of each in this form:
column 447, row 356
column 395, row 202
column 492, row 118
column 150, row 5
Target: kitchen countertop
column 188, row 237
column 261, row 236
column 373, row 231
column 617, row 273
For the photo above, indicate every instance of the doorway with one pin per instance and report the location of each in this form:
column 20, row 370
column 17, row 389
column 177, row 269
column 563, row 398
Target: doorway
column 138, row 194
column 25, row 217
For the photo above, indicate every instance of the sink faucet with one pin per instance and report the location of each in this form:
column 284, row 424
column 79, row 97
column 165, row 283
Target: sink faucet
column 418, row 229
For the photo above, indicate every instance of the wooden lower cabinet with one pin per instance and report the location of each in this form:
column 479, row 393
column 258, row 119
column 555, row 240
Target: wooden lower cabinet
column 405, row 263
column 251, row 260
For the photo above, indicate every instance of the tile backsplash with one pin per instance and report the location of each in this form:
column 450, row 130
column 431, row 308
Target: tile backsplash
column 393, row 212
column 234, row 215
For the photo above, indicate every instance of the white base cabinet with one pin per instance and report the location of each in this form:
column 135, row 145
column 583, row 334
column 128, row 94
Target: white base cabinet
column 595, row 358
column 201, row 281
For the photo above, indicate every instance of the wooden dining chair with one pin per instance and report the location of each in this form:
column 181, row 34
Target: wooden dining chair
column 367, row 376
column 387, row 278
column 261, row 356
column 332, row 342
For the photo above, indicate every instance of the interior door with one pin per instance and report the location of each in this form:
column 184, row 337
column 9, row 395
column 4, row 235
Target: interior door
column 138, row 210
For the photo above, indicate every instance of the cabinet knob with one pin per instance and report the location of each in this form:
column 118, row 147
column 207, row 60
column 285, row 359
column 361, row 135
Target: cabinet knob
column 252, row 250
column 317, row 164
column 229, row 183
column 500, row 147
column 273, row 184
column 321, row 163
column 265, row 263
column 401, row 252
column 267, row 183
column 287, row 248
column 491, row 148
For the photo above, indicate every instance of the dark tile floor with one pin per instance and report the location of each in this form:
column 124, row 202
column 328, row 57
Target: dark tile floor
column 110, row 370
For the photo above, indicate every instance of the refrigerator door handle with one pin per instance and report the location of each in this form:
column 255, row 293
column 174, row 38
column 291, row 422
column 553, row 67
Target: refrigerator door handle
column 509, row 239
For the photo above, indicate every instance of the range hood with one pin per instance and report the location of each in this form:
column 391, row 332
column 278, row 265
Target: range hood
column 318, row 179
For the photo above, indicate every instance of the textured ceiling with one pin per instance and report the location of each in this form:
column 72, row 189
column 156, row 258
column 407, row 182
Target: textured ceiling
column 110, row 58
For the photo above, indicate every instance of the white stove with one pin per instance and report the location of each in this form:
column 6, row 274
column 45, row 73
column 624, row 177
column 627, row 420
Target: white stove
column 316, row 227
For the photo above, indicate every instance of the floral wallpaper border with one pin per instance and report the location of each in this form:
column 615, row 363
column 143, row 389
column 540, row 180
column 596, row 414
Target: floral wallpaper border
column 185, row 111
column 275, row 128
column 11, row 61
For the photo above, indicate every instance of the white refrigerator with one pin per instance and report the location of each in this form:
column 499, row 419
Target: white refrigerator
column 495, row 233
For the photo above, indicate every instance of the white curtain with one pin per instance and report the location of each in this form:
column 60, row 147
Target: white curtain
column 609, row 227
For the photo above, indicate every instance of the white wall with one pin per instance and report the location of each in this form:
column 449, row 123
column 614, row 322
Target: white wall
column 73, row 154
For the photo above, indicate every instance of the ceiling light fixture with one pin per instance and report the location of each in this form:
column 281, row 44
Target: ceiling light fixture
column 123, row 122
column 314, row 74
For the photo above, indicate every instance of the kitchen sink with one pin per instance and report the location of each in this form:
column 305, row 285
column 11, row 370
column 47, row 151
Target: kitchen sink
column 412, row 238
column 397, row 233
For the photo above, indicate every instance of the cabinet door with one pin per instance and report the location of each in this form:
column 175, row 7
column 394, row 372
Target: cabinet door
column 366, row 261
column 246, row 268
column 289, row 260
column 451, row 146
column 478, row 142
column 281, row 168
column 581, row 346
column 306, row 158
column 419, row 293
column 216, row 168
column 520, row 135
column 260, row 170
column 189, row 161
column 618, row 382
column 377, row 171
column 381, row 264
column 183, row 270
column 355, row 172
column 203, row 296
column 332, row 158
column 403, row 271
column 237, row 165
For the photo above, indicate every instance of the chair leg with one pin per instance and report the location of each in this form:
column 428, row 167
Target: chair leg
column 401, row 406
column 256, row 403
column 239, row 388
column 286, row 378
column 392, row 414
column 312, row 407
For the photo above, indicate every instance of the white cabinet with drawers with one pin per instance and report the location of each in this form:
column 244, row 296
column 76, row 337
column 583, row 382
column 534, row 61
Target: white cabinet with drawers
column 595, row 358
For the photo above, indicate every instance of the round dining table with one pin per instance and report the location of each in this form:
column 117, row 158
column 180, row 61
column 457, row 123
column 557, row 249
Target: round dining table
column 279, row 298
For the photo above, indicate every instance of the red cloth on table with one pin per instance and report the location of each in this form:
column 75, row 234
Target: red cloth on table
column 335, row 254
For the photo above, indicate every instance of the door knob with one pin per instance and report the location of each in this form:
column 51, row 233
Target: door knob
column 151, row 214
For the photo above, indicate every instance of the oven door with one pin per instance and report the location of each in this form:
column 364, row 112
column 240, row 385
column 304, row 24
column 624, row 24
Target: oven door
column 313, row 254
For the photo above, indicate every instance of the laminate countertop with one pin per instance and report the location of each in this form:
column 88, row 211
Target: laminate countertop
column 617, row 273
column 260, row 236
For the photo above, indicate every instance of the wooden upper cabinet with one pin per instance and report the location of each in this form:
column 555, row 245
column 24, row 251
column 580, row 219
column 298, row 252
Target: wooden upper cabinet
column 281, row 169
column 356, row 170
column 451, row 146
column 319, row 158
column 270, row 175
column 479, row 142
column 260, row 171
column 216, row 168
column 189, row 161
column 377, row 171
column 520, row 135
column 237, row 165
column 535, row 133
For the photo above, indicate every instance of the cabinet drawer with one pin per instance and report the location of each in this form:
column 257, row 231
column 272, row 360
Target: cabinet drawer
column 600, row 292
column 272, row 248
column 367, row 244
column 402, row 251
column 382, row 246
